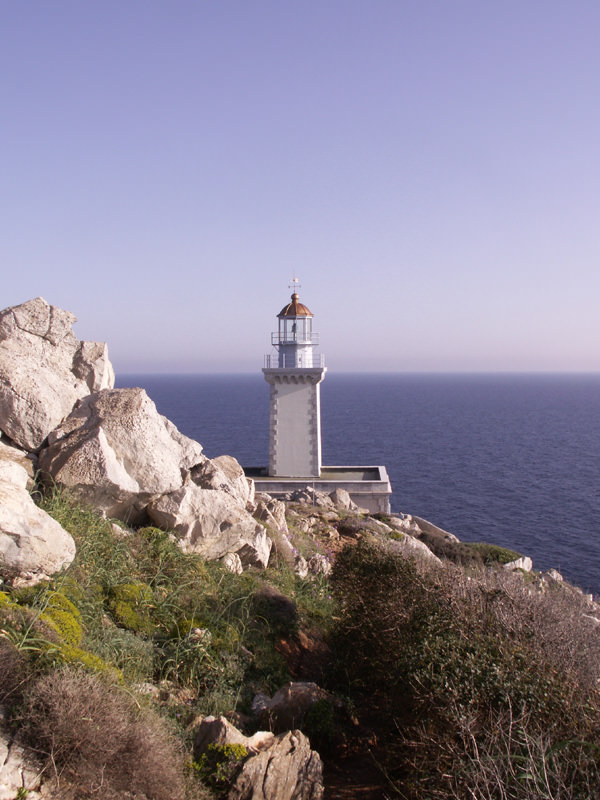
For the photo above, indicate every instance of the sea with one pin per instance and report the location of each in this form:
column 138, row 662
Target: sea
column 511, row 459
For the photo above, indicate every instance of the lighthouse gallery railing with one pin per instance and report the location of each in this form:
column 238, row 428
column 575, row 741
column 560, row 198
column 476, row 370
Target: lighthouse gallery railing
column 292, row 361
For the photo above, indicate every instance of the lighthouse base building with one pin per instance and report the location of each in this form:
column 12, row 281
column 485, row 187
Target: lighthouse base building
column 294, row 374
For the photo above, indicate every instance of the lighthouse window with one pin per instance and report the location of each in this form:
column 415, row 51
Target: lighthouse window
column 295, row 329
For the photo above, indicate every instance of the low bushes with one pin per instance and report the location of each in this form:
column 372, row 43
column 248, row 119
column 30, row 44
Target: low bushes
column 480, row 689
column 95, row 738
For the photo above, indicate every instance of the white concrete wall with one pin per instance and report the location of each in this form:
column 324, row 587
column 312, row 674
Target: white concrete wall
column 295, row 422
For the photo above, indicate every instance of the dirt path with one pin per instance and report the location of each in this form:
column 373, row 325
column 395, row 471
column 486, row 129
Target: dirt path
column 353, row 778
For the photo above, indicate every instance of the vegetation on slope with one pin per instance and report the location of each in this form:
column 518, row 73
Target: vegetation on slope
column 137, row 618
column 479, row 687
column 462, row 680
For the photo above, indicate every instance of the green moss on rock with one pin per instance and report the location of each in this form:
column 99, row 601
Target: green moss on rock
column 129, row 604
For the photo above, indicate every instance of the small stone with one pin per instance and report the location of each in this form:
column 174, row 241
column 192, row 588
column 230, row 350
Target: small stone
column 232, row 562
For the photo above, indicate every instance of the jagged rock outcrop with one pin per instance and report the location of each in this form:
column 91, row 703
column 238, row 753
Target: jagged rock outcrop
column 212, row 523
column 32, row 544
column 44, row 370
column 233, row 563
column 117, row 453
column 225, row 474
column 288, row 770
column 417, row 526
column 218, row 730
column 318, row 564
column 271, row 512
column 279, row 768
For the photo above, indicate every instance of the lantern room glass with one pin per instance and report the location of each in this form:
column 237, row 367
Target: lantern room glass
column 295, row 329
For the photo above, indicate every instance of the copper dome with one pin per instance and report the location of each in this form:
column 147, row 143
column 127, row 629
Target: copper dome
column 295, row 309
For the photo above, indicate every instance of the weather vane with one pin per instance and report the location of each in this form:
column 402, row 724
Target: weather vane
column 295, row 284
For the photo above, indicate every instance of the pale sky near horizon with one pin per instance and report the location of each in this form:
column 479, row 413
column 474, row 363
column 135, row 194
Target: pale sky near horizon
column 429, row 170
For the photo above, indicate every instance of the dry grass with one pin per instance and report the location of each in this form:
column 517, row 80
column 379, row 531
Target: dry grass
column 94, row 736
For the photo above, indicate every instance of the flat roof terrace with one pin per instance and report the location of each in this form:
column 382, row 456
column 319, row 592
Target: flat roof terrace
column 369, row 486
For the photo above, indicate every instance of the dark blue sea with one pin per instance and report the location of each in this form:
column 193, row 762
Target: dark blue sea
column 509, row 459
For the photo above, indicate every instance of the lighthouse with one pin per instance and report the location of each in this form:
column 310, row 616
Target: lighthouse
column 294, row 373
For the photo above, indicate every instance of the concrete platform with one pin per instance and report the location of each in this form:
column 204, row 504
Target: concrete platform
column 368, row 486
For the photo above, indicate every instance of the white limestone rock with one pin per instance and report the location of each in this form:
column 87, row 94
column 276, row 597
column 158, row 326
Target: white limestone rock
column 272, row 512
column 225, row 474
column 288, row 770
column 212, row 523
column 409, row 546
column 341, row 499
column 233, row 563
column 31, row 542
column 20, row 771
column 91, row 364
column 524, row 563
column 424, row 526
column 318, row 564
column 404, row 524
column 301, row 566
column 117, row 453
column 44, row 370
column 310, row 496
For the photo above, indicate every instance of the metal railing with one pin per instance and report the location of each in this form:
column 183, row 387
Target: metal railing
column 289, row 361
column 294, row 338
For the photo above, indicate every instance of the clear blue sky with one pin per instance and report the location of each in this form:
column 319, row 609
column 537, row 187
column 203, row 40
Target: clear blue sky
column 430, row 171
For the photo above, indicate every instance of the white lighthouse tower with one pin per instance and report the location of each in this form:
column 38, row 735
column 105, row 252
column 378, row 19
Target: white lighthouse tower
column 294, row 374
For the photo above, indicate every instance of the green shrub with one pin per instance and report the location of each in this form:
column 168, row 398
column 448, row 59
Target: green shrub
column 68, row 654
column 5, row 600
column 132, row 655
column 220, row 765
column 448, row 549
column 131, row 606
column 64, row 624
column 321, row 726
column 493, row 553
column 61, row 615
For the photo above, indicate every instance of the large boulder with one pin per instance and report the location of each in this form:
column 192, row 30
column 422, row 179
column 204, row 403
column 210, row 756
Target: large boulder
column 288, row 706
column 213, row 523
column 117, row 453
column 409, row 546
column 44, row 370
column 225, row 474
column 342, row 500
column 32, row 544
column 288, row 770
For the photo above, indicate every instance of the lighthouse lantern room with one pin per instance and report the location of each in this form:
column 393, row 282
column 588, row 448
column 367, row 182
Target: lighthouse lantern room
column 294, row 375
